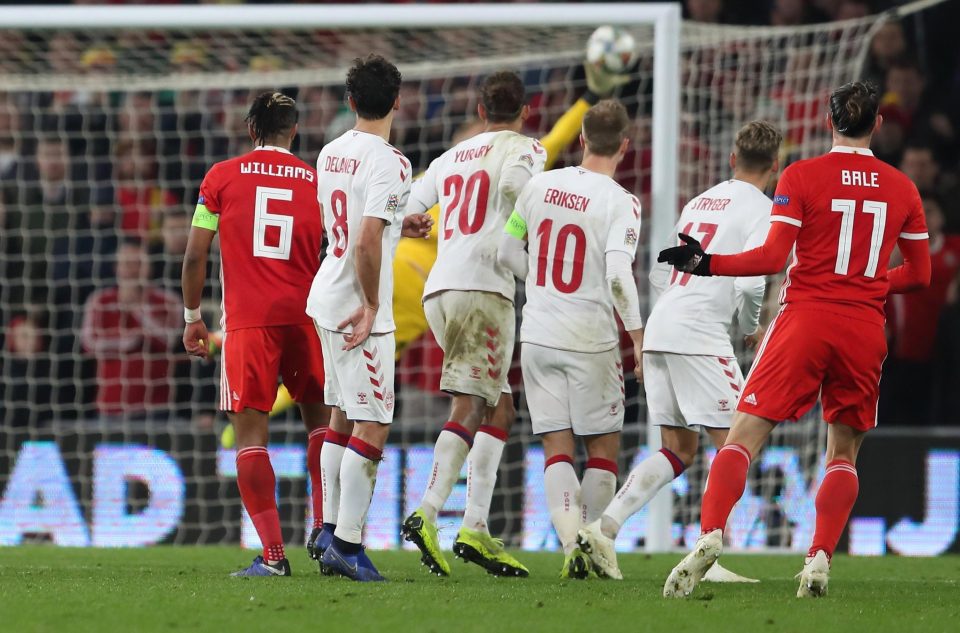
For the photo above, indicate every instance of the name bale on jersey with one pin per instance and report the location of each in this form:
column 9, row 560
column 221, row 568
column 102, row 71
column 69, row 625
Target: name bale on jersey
column 566, row 200
column 474, row 153
column 338, row 165
column 279, row 171
column 859, row 178
column 710, row 204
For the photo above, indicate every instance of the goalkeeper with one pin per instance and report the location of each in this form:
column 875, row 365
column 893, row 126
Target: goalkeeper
column 415, row 257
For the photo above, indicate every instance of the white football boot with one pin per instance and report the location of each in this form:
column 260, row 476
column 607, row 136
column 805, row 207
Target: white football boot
column 814, row 576
column 721, row 574
column 687, row 575
column 601, row 550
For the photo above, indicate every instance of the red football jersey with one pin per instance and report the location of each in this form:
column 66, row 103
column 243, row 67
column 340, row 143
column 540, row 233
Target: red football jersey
column 270, row 231
column 851, row 209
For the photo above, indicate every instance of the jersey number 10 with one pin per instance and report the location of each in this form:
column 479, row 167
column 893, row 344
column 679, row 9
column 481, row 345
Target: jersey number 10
column 566, row 233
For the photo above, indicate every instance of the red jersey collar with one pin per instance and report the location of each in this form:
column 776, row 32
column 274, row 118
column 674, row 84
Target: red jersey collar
column 844, row 149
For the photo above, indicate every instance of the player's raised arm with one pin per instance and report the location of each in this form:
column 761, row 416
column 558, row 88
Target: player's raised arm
column 194, row 274
column 767, row 259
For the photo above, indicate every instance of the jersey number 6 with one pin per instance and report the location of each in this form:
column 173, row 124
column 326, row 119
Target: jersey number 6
column 263, row 219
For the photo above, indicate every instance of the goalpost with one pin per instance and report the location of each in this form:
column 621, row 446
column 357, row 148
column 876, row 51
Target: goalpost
column 131, row 104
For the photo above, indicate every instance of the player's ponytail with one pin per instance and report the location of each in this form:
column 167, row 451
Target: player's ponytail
column 272, row 115
column 853, row 109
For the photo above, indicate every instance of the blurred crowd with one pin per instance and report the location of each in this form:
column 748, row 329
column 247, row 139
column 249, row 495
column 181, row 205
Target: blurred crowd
column 97, row 188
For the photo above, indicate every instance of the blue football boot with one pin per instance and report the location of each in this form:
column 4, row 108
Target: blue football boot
column 336, row 563
column 260, row 567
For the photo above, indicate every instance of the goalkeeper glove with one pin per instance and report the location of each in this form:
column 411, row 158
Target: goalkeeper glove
column 601, row 82
column 688, row 257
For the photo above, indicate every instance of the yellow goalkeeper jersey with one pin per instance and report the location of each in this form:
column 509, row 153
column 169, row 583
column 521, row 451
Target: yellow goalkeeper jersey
column 415, row 257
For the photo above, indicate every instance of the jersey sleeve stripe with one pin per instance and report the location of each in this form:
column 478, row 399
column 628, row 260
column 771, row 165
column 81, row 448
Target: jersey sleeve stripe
column 786, row 220
column 915, row 236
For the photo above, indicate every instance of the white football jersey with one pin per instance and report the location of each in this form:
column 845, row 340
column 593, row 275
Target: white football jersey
column 574, row 217
column 358, row 175
column 693, row 314
column 465, row 180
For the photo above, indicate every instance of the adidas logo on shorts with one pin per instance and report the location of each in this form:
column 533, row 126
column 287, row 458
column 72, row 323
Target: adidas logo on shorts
column 751, row 399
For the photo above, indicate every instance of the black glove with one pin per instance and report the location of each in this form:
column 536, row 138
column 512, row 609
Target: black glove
column 688, row 258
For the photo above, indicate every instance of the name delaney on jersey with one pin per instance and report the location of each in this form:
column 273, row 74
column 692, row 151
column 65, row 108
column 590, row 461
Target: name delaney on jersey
column 279, row 171
column 566, row 200
column 338, row 165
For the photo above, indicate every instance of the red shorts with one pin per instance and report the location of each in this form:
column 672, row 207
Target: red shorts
column 253, row 357
column 809, row 352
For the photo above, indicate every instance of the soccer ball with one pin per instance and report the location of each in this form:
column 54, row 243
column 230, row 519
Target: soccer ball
column 613, row 48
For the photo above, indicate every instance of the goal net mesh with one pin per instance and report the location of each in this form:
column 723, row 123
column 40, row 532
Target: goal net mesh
column 107, row 432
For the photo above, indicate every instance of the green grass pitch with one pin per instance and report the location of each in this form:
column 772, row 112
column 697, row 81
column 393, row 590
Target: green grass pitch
column 187, row 589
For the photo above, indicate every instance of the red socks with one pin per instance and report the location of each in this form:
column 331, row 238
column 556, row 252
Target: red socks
column 835, row 499
column 725, row 483
column 314, row 444
column 258, row 491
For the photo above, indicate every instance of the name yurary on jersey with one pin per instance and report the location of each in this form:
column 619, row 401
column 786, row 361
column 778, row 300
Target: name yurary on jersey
column 279, row 171
column 473, row 153
column 566, row 200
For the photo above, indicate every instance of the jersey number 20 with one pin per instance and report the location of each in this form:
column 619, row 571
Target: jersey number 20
column 463, row 193
column 263, row 219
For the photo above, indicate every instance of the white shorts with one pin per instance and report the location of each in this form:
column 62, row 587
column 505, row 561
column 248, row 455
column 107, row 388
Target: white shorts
column 359, row 381
column 577, row 391
column 476, row 332
column 691, row 390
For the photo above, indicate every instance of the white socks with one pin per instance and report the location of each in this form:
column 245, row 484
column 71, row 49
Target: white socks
column 331, row 455
column 563, row 499
column 358, row 477
column 597, row 488
column 449, row 453
column 644, row 481
column 482, row 471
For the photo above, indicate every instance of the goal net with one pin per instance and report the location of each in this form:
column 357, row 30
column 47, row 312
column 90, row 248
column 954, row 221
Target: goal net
column 108, row 434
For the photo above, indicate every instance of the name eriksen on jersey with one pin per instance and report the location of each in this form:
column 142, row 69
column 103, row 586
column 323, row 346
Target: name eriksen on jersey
column 465, row 155
column 280, row 171
column 338, row 165
column 566, row 200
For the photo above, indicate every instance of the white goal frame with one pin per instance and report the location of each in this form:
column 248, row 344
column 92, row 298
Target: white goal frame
column 664, row 17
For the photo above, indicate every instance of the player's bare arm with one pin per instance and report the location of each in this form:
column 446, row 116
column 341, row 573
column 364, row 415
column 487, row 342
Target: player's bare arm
column 193, row 278
column 417, row 225
column 369, row 251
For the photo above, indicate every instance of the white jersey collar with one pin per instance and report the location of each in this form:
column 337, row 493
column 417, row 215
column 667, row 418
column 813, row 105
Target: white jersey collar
column 845, row 149
column 273, row 148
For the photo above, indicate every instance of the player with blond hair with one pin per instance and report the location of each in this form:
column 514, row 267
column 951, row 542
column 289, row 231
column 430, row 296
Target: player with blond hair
column 691, row 377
